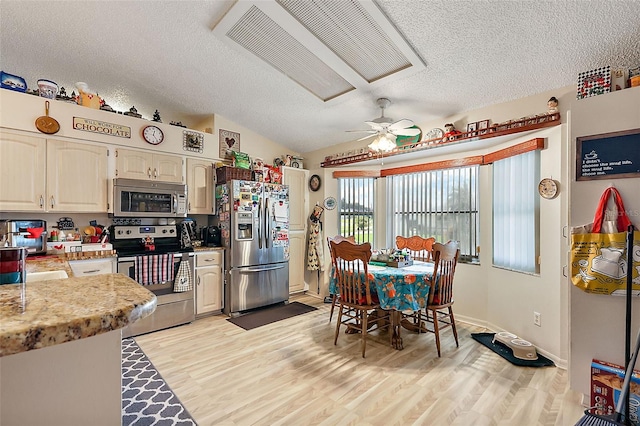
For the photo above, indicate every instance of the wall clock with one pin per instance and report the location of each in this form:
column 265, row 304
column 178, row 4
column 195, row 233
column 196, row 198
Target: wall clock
column 548, row 188
column 153, row 135
column 314, row 183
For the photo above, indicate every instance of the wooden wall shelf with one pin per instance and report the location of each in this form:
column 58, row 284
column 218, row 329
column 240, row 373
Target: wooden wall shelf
column 499, row 129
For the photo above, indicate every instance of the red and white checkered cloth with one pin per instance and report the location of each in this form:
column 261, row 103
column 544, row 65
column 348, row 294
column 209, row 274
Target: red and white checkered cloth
column 154, row 269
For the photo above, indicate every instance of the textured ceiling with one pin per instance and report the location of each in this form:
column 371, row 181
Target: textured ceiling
column 163, row 55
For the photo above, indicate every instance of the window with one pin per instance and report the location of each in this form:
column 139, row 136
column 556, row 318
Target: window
column 516, row 212
column 441, row 204
column 357, row 200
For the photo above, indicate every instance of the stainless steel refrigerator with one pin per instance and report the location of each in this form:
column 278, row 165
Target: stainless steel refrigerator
column 254, row 229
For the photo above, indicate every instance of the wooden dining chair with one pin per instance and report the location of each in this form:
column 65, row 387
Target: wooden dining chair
column 336, row 239
column 439, row 304
column 419, row 247
column 356, row 299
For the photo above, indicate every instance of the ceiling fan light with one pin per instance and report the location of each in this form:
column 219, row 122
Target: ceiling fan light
column 383, row 143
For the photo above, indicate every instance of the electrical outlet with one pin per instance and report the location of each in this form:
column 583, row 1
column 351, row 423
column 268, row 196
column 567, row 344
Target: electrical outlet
column 536, row 319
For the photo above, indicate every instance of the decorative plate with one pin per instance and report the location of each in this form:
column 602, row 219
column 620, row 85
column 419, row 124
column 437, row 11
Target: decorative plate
column 314, row 183
column 434, row 133
column 330, row 203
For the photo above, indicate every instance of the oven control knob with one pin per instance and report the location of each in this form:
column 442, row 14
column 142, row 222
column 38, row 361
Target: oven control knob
column 119, row 232
column 128, row 231
column 172, row 230
column 164, row 231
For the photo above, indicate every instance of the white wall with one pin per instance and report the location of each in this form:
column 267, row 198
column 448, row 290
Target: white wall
column 488, row 296
column 598, row 322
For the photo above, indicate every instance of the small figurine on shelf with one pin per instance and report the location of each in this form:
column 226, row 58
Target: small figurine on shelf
column 87, row 97
column 133, row 112
column 450, row 132
column 552, row 105
column 177, row 123
column 156, row 117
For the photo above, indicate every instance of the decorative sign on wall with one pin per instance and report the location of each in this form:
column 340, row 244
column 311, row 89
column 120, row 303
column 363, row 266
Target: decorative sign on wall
column 96, row 126
column 608, row 156
column 228, row 140
column 192, row 141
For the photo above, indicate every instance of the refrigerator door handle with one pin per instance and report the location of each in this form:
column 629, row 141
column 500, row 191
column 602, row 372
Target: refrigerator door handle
column 260, row 224
column 260, row 269
column 267, row 231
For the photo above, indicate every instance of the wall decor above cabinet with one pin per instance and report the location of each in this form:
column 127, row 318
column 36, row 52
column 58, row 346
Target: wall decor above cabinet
column 192, row 141
column 102, row 127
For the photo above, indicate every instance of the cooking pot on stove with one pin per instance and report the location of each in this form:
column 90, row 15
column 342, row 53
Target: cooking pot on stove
column 211, row 236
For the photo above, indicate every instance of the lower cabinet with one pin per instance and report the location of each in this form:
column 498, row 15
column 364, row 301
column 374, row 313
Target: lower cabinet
column 82, row 268
column 209, row 281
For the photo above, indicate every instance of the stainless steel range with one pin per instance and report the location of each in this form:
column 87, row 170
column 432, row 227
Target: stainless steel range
column 156, row 258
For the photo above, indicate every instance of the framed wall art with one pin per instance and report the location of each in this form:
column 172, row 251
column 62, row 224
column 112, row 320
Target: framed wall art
column 471, row 129
column 192, row 141
column 608, row 156
column 483, row 127
column 228, row 141
column 594, row 82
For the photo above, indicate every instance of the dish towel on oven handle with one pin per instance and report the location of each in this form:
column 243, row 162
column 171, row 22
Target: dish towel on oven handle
column 183, row 281
column 154, row 269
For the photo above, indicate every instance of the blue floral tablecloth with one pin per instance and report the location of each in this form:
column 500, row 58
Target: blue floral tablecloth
column 402, row 289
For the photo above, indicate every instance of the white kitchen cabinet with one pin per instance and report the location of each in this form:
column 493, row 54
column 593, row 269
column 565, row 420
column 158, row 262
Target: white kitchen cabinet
column 200, row 186
column 297, row 179
column 209, row 281
column 144, row 165
column 82, row 268
column 76, row 177
column 22, row 181
column 52, row 175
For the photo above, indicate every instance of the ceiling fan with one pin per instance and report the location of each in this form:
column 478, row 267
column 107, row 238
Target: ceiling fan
column 386, row 130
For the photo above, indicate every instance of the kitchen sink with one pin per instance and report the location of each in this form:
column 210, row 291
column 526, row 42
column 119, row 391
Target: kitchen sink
column 47, row 275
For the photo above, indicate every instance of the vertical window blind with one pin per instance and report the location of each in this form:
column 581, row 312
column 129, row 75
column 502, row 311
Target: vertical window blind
column 516, row 212
column 439, row 203
column 357, row 201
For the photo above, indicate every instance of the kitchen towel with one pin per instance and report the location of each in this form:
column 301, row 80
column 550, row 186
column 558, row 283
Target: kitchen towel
column 154, row 269
column 183, row 281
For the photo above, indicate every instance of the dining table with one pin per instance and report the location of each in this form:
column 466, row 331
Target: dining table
column 399, row 289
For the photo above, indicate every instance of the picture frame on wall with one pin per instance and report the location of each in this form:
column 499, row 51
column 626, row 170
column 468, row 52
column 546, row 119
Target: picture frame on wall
column 483, row 127
column 471, row 129
column 228, row 141
column 192, row 141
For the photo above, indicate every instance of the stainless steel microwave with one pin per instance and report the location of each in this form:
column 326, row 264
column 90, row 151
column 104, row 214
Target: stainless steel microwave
column 141, row 198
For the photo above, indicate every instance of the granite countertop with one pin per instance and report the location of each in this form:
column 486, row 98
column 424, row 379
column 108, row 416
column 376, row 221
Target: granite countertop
column 48, row 263
column 59, row 311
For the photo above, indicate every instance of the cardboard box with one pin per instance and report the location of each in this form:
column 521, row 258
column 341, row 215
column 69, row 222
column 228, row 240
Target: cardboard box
column 606, row 386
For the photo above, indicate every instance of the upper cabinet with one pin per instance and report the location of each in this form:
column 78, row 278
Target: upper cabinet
column 76, row 177
column 22, row 181
column 296, row 179
column 200, row 184
column 144, row 165
column 52, row 175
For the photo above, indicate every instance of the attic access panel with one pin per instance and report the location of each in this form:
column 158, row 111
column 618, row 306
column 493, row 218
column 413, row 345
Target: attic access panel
column 329, row 47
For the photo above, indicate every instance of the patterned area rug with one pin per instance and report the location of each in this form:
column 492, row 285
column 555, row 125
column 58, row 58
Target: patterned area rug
column 146, row 398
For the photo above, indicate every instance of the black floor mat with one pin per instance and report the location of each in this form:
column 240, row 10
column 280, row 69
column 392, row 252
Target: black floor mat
column 268, row 315
column 506, row 353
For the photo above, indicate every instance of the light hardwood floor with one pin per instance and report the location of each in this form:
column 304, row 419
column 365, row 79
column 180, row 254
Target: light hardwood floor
column 290, row 373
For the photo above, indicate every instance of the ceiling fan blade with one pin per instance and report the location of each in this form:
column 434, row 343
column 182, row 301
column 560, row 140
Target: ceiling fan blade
column 366, row 137
column 362, row 131
column 376, row 126
column 401, row 124
column 406, row 132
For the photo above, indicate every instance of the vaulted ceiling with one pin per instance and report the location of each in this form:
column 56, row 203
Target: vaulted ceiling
column 302, row 73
